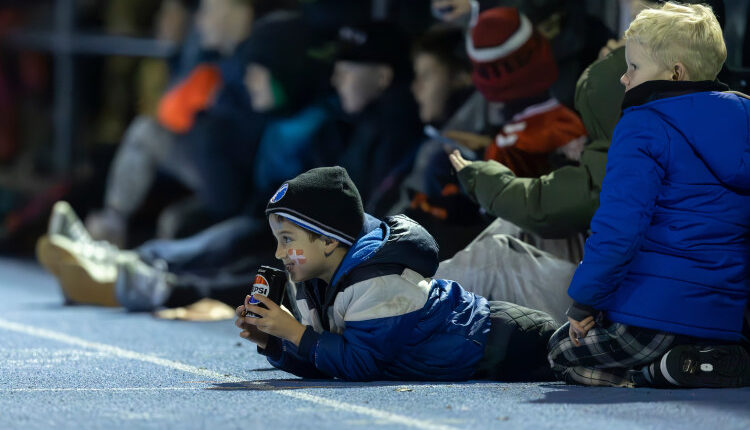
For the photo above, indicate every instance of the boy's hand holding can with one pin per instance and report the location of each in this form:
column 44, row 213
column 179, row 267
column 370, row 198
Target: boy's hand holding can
column 273, row 320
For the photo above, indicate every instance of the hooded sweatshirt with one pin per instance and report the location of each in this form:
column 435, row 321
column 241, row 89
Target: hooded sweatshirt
column 670, row 243
column 383, row 318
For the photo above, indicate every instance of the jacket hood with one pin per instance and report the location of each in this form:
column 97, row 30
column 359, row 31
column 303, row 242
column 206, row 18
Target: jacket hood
column 599, row 95
column 395, row 242
column 717, row 127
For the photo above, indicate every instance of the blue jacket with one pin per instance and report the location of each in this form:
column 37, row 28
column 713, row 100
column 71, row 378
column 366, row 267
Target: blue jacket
column 670, row 243
column 381, row 318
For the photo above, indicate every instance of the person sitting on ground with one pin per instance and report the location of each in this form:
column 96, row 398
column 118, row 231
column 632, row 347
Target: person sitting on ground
column 210, row 81
column 513, row 69
column 368, row 305
column 447, row 100
column 526, row 266
column 218, row 261
column 664, row 282
column 372, row 76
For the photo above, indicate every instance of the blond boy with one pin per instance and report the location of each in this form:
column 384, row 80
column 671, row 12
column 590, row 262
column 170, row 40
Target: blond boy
column 660, row 294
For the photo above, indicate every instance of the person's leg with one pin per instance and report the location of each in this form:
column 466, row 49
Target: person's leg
column 131, row 175
column 502, row 267
column 607, row 354
column 215, row 263
column 516, row 348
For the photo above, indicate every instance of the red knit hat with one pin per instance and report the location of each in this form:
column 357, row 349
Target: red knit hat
column 511, row 59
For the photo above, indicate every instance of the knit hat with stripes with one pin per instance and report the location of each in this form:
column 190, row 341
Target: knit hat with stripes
column 323, row 200
column 511, row 59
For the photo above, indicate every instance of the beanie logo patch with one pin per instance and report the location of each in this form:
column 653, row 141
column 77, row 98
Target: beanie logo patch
column 279, row 194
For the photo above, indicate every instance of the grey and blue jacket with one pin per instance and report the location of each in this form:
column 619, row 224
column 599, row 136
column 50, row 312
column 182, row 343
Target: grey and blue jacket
column 383, row 317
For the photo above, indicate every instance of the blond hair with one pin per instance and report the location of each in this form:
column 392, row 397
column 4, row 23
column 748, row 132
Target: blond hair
column 689, row 34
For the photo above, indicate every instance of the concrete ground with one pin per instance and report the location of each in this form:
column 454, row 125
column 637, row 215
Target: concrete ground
column 80, row 367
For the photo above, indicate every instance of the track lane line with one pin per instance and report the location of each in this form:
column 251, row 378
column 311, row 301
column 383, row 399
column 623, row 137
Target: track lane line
column 132, row 355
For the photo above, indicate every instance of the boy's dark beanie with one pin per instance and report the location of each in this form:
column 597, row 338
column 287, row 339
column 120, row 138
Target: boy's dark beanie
column 323, row 200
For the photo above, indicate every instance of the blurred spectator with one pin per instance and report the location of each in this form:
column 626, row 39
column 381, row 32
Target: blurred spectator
column 575, row 37
column 533, row 210
column 372, row 77
column 218, row 261
column 290, row 87
column 447, row 100
column 153, row 144
column 513, row 69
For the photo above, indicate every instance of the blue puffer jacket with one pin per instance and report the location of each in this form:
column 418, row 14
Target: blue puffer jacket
column 670, row 248
column 382, row 319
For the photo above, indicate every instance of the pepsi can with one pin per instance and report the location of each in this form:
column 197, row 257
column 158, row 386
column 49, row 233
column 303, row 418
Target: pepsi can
column 268, row 282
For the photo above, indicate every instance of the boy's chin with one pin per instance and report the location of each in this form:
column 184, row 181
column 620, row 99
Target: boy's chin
column 296, row 277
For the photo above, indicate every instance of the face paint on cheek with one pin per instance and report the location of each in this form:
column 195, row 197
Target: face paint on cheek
column 297, row 256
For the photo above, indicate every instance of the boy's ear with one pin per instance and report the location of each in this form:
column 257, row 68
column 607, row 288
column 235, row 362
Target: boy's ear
column 329, row 245
column 679, row 73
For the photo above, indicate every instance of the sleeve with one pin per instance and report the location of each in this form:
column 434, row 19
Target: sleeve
column 635, row 171
column 283, row 355
column 555, row 205
column 178, row 107
column 379, row 316
column 362, row 350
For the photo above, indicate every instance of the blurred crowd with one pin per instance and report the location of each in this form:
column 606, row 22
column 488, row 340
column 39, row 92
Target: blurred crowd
column 258, row 91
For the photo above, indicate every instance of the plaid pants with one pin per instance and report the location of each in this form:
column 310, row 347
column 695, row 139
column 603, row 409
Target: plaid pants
column 606, row 354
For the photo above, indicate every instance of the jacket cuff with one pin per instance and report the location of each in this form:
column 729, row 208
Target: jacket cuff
column 467, row 177
column 579, row 311
column 308, row 342
column 273, row 348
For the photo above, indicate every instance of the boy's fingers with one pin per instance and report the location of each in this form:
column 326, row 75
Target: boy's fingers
column 266, row 301
column 240, row 311
column 252, row 320
column 574, row 338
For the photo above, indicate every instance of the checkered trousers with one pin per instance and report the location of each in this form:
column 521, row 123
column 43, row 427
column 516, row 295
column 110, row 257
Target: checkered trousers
column 606, row 354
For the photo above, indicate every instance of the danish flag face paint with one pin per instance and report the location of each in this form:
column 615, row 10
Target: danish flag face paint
column 297, row 256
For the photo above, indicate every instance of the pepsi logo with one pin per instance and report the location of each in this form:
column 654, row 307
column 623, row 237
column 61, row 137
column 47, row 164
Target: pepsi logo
column 260, row 286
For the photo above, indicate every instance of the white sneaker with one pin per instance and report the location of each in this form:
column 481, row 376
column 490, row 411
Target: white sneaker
column 86, row 270
column 64, row 222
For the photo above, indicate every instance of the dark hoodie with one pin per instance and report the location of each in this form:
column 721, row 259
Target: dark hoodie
column 670, row 243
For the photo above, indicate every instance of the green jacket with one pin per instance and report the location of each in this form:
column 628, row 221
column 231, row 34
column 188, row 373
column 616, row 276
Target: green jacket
column 561, row 203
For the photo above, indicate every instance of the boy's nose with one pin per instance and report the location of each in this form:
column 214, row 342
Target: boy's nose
column 279, row 252
column 624, row 79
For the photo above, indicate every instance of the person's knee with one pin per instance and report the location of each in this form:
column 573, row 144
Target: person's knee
column 146, row 134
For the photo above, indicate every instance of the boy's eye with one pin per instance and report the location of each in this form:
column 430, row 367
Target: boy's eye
column 286, row 239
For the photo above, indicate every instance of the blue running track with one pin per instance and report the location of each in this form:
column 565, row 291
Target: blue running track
column 80, row 367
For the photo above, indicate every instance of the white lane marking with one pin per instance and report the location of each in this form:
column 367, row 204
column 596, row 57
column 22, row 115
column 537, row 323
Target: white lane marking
column 132, row 355
column 35, row 390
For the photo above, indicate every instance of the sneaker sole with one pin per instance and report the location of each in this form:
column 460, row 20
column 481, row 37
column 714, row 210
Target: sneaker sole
column 701, row 367
column 77, row 283
column 51, row 256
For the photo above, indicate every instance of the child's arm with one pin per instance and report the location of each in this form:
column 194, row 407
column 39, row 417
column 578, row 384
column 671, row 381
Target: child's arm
column 281, row 353
column 635, row 171
column 365, row 346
